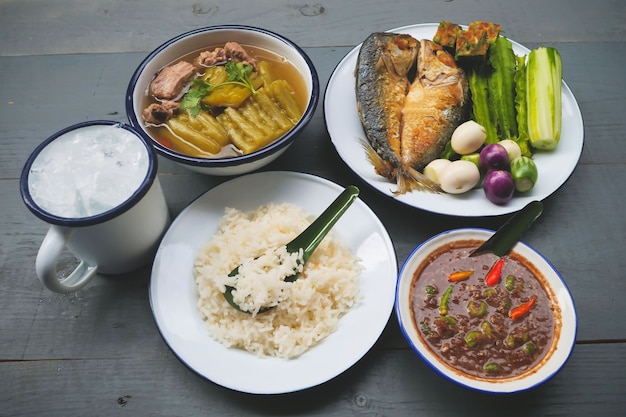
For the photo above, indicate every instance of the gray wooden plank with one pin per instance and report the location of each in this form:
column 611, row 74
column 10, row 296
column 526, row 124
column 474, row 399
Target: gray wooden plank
column 121, row 26
column 384, row 382
column 61, row 91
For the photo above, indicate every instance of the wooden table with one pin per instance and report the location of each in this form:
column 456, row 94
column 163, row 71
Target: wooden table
column 97, row 352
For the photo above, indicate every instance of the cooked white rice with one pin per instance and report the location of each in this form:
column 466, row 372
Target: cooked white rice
column 306, row 310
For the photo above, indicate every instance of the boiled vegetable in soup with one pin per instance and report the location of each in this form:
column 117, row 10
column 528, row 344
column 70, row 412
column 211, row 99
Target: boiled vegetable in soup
column 482, row 316
column 225, row 101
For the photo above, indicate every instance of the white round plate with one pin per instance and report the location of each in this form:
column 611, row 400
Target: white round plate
column 173, row 293
column 345, row 129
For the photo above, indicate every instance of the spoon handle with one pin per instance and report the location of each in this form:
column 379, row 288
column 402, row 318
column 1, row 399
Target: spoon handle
column 311, row 237
column 308, row 240
column 501, row 242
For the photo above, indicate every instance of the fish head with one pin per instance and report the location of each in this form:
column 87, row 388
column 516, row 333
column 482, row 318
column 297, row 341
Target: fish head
column 398, row 53
column 437, row 67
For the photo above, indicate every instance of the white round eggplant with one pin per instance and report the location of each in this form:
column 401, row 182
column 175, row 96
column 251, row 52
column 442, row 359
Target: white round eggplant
column 512, row 148
column 434, row 169
column 468, row 137
column 459, row 176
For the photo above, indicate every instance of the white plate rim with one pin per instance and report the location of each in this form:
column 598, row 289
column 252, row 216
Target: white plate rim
column 173, row 291
column 344, row 129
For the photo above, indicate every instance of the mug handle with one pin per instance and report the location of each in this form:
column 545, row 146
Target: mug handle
column 46, row 263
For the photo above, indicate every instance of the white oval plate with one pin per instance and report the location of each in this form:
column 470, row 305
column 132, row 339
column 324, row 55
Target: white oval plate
column 173, row 293
column 345, row 130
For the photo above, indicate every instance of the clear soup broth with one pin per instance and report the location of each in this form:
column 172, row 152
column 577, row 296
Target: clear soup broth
column 261, row 119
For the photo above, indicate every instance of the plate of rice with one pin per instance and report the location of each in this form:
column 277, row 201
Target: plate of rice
column 326, row 320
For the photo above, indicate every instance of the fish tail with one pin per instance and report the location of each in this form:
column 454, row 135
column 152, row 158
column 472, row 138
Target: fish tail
column 409, row 179
column 381, row 166
column 406, row 178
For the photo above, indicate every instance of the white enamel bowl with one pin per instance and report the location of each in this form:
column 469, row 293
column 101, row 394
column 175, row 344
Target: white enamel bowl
column 556, row 288
column 199, row 39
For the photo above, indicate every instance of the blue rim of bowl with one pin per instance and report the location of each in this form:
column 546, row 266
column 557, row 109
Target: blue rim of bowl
column 142, row 189
column 446, row 375
column 278, row 144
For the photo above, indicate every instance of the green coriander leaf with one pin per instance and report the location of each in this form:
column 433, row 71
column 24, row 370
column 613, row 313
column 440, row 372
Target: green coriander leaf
column 231, row 71
column 201, row 84
column 192, row 99
column 237, row 73
column 191, row 102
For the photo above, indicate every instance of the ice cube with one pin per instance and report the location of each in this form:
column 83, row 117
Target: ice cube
column 88, row 171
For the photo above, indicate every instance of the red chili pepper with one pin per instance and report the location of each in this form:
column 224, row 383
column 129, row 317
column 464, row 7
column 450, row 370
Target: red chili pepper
column 523, row 309
column 459, row 275
column 495, row 273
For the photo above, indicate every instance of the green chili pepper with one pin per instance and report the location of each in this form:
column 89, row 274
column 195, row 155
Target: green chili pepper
column 529, row 348
column 477, row 309
column 516, row 339
column 446, row 326
column 492, row 368
column 509, row 341
column 448, row 319
column 474, row 339
column 489, row 292
column 485, row 326
column 431, row 290
column 509, row 282
column 445, row 299
column 505, row 305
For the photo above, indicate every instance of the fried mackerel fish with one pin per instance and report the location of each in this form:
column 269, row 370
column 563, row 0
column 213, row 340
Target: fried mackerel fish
column 411, row 96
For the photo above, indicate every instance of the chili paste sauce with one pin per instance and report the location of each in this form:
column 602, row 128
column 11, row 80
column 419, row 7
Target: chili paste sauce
column 466, row 322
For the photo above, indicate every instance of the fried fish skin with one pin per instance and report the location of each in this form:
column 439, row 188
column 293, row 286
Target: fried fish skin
column 436, row 103
column 382, row 82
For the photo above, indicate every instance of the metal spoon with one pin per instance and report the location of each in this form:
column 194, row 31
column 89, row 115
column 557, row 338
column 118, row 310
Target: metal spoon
column 503, row 240
column 308, row 240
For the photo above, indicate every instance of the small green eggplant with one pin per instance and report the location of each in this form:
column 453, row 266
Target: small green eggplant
column 524, row 172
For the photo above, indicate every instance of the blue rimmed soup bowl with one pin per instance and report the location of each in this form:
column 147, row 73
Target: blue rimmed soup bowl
column 187, row 45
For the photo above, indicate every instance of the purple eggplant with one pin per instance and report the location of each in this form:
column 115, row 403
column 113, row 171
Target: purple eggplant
column 493, row 157
column 499, row 186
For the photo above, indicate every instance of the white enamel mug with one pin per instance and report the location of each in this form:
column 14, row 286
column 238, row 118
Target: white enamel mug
column 95, row 183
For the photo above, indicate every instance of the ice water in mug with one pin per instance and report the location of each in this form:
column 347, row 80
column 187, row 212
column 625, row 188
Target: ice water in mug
column 88, row 171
